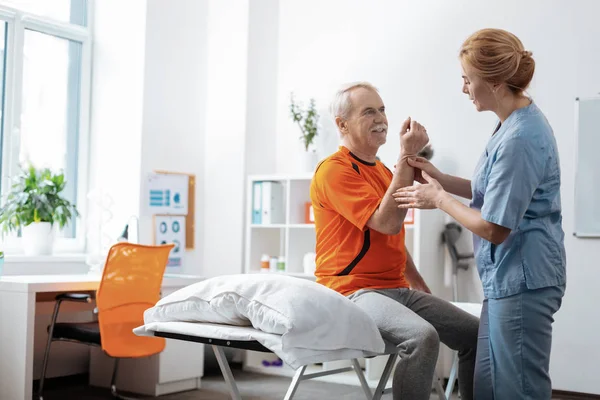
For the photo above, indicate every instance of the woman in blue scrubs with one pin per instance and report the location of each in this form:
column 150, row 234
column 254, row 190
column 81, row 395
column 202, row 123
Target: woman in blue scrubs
column 515, row 216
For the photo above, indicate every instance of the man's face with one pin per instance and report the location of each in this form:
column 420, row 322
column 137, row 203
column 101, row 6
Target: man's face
column 366, row 125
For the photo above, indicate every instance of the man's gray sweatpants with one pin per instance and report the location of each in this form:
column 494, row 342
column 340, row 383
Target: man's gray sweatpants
column 416, row 322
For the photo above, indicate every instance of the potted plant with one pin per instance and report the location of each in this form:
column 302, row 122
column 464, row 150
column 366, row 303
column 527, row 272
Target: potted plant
column 307, row 120
column 33, row 207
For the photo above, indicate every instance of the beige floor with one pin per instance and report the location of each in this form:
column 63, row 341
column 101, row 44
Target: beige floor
column 251, row 386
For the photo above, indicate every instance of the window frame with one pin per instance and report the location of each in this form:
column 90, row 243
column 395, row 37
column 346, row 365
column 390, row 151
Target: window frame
column 17, row 23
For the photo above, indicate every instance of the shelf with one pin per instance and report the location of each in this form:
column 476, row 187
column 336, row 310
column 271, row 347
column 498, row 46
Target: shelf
column 292, row 226
column 281, row 177
column 267, row 226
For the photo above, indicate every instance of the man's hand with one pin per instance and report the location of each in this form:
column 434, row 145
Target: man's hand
column 413, row 276
column 413, row 137
column 421, row 286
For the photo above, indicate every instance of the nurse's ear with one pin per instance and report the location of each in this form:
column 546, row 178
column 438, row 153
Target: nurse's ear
column 494, row 87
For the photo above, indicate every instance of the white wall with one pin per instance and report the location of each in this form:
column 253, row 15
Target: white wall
column 225, row 143
column 174, row 107
column 151, row 111
column 409, row 50
column 116, row 107
column 261, row 98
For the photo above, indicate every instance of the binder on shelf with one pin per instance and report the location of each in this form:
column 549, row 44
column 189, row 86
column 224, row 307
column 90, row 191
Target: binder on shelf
column 256, row 202
column 273, row 211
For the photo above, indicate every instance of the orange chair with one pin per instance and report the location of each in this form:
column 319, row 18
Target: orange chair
column 131, row 283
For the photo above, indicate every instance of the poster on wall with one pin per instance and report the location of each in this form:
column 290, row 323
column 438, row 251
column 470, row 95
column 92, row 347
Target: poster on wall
column 166, row 194
column 171, row 229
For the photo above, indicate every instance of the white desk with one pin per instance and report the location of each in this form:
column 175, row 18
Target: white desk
column 18, row 296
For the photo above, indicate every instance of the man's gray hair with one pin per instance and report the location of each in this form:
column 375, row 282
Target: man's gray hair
column 341, row 105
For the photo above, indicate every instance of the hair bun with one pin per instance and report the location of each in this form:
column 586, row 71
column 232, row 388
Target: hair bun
column 526, row 53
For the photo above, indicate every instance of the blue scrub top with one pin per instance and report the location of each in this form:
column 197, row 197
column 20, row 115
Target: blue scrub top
column 517, row 185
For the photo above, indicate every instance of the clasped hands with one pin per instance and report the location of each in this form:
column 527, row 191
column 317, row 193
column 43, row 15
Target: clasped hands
column 429, row 192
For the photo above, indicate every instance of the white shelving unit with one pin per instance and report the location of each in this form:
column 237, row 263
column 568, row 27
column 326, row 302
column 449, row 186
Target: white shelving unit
column 293, row 238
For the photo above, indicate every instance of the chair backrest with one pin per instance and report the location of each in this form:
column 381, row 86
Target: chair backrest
column 131, row 283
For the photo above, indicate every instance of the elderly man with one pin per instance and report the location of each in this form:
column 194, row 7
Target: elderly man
column 361, row 251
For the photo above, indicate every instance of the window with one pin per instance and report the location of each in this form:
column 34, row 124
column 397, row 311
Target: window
column 45, row 73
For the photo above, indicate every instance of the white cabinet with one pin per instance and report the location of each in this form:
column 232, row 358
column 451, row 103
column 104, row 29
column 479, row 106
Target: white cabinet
column 291, row 237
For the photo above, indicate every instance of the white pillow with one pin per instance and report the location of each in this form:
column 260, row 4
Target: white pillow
column 306, row 314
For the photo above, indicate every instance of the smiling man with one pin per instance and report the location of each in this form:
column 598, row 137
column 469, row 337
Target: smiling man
column 361, row 251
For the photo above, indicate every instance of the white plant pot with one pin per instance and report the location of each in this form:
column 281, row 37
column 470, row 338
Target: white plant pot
column 310, row 159
column 37, row 239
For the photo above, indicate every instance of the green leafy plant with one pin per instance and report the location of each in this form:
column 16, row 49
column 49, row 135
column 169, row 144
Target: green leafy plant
column 35, row 196
column 307, row 120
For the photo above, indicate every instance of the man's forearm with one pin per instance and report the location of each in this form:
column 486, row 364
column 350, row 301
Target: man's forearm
column 388, row 218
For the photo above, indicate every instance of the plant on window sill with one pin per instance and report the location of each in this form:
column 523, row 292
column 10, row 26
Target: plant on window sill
column 34, row 205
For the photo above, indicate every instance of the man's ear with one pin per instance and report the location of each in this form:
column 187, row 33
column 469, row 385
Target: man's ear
column 341, row 124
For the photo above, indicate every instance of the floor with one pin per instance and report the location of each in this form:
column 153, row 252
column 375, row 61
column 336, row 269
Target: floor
column 252, row 387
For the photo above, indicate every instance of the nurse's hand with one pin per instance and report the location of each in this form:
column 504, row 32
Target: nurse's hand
column 422, row 164
column 426, row 196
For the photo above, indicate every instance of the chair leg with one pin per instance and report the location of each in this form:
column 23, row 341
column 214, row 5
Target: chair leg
column 113, row 380
column 113, row 383
column 47, row 352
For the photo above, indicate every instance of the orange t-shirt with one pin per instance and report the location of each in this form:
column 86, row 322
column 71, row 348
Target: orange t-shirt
column 345, row 191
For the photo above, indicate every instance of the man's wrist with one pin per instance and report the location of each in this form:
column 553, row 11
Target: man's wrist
column 404, row 156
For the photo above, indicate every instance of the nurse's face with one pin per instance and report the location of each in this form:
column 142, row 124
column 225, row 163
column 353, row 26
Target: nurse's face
column 480, row 92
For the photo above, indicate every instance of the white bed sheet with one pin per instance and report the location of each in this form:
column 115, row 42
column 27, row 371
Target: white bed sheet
column 294, row 357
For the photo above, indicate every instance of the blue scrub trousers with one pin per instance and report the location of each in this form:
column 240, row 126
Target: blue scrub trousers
column 514, row 343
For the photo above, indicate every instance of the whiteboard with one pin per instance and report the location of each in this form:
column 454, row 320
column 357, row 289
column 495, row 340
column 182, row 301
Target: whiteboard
column 587, row 168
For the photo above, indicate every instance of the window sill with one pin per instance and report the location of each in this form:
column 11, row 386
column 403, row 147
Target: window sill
column 53, row 258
